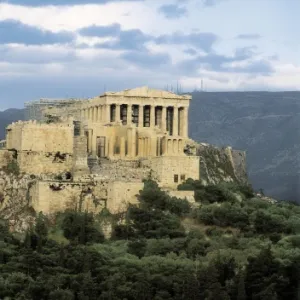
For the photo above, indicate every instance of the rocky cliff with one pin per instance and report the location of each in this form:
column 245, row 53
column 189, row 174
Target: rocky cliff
column 218, row 164
column 14, row 200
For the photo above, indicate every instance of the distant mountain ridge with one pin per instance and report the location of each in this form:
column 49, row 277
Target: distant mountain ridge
column 265, row 124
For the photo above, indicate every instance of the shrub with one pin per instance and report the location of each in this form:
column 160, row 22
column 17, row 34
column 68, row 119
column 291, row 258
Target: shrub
column 80, row 228
column 13, row 168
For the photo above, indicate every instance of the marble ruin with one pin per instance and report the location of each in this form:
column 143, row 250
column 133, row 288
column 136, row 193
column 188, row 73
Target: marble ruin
column 102, row 148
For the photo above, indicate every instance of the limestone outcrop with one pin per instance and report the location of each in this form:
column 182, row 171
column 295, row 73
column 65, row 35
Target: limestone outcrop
column 219, row 164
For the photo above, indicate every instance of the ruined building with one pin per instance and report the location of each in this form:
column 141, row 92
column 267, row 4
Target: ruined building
column 96, row 152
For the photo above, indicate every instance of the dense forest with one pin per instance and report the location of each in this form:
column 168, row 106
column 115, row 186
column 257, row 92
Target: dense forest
column 228, row 245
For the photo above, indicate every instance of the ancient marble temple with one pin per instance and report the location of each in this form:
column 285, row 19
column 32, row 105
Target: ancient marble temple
column 142, row 125
column 135, row 123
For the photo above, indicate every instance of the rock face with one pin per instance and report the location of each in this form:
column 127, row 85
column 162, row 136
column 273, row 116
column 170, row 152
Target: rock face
column 14, row 200
column 222, row 164
column 219, row 164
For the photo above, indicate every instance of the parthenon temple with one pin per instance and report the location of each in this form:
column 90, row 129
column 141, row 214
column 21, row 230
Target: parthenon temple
column 142, row 124
column 146, row 123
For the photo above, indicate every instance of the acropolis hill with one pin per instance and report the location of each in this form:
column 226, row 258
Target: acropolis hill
column 96, row 152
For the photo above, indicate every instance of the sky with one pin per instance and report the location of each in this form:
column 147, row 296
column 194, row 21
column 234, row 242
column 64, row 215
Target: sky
column 77, row 48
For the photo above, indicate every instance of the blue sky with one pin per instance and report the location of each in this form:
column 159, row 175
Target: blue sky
column 77, row 48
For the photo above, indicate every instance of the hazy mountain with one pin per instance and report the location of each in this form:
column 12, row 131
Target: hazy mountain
column 8, row 116
column 265, row 124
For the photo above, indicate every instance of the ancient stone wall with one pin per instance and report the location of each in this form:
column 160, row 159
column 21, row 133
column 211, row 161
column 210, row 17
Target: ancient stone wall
column 171, row 171
column 56, row 196
column 44, row 163
column 33, row 136
column 122, row 170
column 120, row 193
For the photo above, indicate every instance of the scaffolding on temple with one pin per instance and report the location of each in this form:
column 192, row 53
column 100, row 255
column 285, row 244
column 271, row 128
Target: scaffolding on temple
column 34, row 109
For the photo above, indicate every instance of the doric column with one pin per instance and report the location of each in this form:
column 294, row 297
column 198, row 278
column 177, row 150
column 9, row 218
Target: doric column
column 122, row 147
column 95, row 109
column 158, row 146
column 153, row 141
column 152, row 116
column 129, row 114
column 90, row 136
column 129, row 142
column 175, row 121
column 164, row 118
column 146, row 147
column 164, row 142
column 99, row 113
column 140, row 148
column 111, row 146
column 91, row 114
column 185, row 122
column 133, row 143
column 107, row 109
column 118, row 115
column 141, row 116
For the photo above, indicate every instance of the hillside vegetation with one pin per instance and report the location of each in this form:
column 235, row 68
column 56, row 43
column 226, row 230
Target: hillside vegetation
column 229, row 245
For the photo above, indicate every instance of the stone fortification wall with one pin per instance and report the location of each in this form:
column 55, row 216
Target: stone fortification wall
column 40, row 137
column 122, row 170
column 188, row 195
column 120, row 193
column 171, row 171
column 55, row 196
column 38, row 163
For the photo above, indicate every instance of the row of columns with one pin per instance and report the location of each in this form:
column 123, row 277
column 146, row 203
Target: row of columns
column 102, row 113
column 172, row 147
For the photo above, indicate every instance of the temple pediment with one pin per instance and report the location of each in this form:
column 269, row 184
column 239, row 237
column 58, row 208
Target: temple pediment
column 147, row 92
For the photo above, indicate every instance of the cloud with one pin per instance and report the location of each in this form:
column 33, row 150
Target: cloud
column 242, row 61
column 172, row 11
column 248, row 36
column 64, row 2
column 203, row 41
column 147, row 59
column 101, row 31
column 34, row 54
column 133, row 39
column 211, row 2
column 16, row 32
column 259, row 67
column 190, row 51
